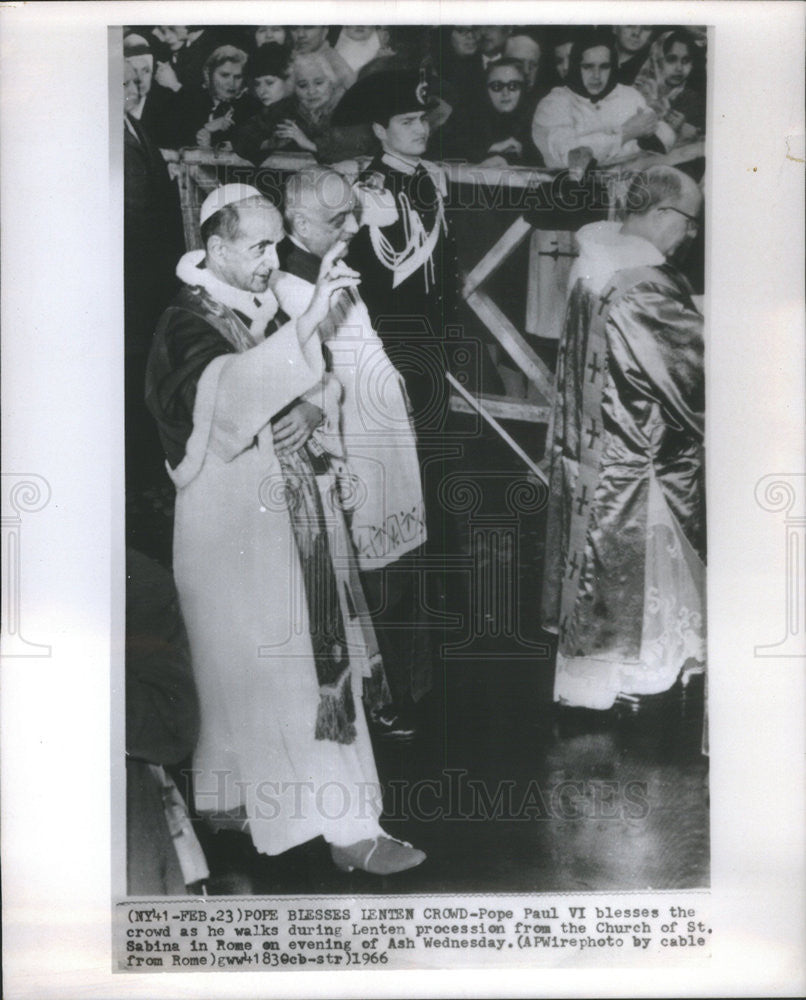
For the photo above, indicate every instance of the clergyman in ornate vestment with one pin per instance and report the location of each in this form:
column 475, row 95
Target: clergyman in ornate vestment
column 624, row 584
column 261, row 555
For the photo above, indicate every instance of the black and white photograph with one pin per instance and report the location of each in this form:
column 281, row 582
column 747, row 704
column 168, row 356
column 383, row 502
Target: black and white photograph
column 419, row 628
column 415, row 476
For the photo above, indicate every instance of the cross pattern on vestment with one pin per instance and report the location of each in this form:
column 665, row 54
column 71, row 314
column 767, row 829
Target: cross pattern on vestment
column 573, row 566
column 593, row 433
column 606, row 300
column 594, row 367
column 582, row 500
column 556, row 253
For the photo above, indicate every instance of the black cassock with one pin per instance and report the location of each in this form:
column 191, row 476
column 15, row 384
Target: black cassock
column 415, row 318
column 152, row 243
column 411, row 319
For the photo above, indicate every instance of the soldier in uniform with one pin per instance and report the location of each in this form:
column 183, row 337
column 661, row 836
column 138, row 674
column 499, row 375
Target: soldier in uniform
column 407, row 261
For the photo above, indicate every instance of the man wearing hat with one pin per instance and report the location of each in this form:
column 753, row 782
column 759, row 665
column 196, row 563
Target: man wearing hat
column 261, row 558
column 408, row 267
column 157, row 107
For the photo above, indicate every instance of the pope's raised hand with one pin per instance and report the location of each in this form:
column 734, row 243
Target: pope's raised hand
column 334, row 275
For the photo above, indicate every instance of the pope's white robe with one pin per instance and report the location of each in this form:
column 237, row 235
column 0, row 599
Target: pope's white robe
column 241, row 589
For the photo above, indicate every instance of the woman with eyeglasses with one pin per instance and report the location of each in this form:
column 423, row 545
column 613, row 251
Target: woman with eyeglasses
column 593, row 117
column 455, row 59
column 496, row 133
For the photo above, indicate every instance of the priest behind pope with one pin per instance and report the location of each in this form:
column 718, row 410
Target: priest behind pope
column 261, row 559
column 625, row 555
column 385, row 506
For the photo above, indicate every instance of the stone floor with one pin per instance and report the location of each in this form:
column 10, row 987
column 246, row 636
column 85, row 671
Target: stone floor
column 504, row 790
column 507, row 795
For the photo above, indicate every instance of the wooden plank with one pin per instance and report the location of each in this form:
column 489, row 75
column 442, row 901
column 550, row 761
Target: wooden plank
column 190, row 211
column 458, row 173
column 680, row 154
column 526, row 177
column 497, row 254
column 532, row 299
column 203, row 178
column 514, row 177
column 513, row 343
column 504, row 408
column 213, row 158
column 503, row 434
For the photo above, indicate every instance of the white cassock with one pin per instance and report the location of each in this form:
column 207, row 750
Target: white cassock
column 239, row 578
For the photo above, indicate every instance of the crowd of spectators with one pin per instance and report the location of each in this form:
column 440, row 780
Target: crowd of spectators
column 509, row 95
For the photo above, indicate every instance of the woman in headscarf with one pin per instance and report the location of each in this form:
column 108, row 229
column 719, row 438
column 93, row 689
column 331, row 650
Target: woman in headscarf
column 561, row 41
column 593, row 117
column 665, row 83
column 495, row 134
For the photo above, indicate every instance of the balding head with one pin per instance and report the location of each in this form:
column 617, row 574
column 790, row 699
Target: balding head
column 320, row 209
column 526, row 51
column 663, row 205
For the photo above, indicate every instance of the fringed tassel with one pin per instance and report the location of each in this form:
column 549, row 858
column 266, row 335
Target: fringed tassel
column 376, row 687
column 335, row 717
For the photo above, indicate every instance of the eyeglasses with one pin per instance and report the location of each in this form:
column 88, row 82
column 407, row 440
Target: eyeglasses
column 693, row 221
column 513, row 86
